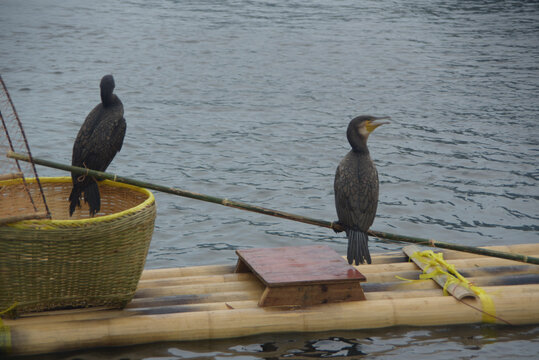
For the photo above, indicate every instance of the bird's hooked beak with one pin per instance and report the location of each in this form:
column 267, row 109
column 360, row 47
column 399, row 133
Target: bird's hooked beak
column 370, row 125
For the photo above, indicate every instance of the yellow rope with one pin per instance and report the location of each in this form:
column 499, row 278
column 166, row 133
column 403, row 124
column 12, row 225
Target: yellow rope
column 441, row 267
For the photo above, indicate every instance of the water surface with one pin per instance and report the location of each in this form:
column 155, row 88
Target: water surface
column 250, row 100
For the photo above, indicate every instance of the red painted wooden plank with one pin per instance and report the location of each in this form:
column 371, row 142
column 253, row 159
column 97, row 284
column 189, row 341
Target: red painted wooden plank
column 297, row 265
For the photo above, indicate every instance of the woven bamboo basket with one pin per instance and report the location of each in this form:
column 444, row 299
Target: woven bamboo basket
column 70, row 262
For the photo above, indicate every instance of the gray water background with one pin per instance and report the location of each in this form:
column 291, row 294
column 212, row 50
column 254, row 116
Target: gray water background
column 250, row 100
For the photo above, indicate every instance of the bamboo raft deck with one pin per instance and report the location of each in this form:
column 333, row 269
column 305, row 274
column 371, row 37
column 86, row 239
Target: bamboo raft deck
column 210, row 302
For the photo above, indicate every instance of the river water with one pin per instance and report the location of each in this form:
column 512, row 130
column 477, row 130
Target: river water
column 250, row 100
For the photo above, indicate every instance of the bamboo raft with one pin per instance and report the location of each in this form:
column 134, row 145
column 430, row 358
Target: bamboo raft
column 211, row 302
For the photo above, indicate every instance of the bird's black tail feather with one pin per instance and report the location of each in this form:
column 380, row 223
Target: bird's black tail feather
column 358, row 247
column 74, row 198
column 91, row 196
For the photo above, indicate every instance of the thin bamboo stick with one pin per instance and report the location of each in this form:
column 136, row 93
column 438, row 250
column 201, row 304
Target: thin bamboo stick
column 271, row 212
column 15, row 218
column 16, row 175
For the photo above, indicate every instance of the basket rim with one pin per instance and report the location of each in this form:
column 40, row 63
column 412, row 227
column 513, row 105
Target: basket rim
column 64, row 179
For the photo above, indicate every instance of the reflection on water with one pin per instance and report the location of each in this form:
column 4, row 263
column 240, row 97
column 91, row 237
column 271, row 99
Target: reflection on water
column 250, row 100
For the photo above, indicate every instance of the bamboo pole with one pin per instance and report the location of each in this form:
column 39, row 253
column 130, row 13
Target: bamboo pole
column 189, row 280
column 469, row 249
column 14, row 218
column 10, row 176
column 468, row 272
column 530, row 249
column 525, row 289
column 189, row 299
column 397, row 285
column 230, row 323
column 166, row 273
column 270, row 212
column 208, row 288
column 153, row 309
column 469, row 263
column 100, row 314
column 398, row 256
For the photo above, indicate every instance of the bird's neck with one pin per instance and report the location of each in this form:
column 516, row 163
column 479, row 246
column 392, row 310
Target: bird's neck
column 108, row 99
column 357, row 142
column 360, row 148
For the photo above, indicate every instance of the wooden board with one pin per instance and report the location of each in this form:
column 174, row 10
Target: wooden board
column 301, row 275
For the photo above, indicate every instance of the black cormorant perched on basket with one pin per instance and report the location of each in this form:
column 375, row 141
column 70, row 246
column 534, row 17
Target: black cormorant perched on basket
column 99, row 139
column 356, row 188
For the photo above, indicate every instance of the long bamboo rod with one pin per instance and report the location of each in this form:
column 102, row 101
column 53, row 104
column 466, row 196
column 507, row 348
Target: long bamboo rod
column 398, row 256
column 167, row 273
column 203, row 288
column 32, row 216
column 271, row 212
column 189, row 280
column 229, row 323
column 251, row 302
column 464, row 248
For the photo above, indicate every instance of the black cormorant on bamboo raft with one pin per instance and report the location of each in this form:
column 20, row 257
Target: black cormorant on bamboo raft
column 99, row 139
column 356, row 188
column 211, row 302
